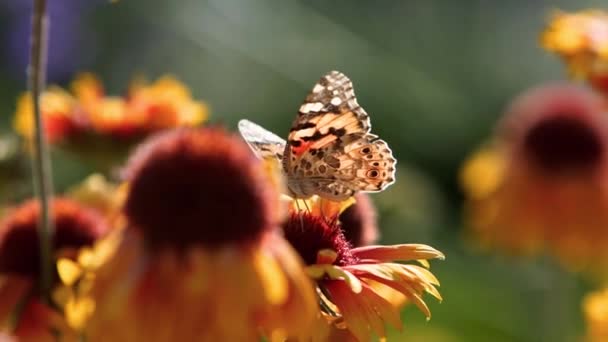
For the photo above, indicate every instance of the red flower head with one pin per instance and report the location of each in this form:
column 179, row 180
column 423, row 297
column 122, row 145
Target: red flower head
column 198, row 187
column 202, row 243
column 75, row 227
column 356, row 286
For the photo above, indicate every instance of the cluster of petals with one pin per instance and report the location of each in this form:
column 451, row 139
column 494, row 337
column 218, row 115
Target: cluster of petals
column 87, row 110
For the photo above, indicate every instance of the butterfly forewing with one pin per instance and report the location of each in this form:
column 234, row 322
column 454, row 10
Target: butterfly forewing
column 265, row 144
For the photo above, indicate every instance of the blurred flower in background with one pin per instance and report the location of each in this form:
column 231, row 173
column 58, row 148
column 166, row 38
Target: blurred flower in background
column 542, row 182
column 102, row 129
column 595, row 309
column 22, row 309
column 145, row 109
column 201, row 256
column 361, row 289
column 359, row 222
column 581, row 39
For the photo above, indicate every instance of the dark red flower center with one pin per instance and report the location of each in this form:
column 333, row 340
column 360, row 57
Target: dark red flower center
column 563, row 143
column 309, row 234
column 198, row 186
column 75, row 226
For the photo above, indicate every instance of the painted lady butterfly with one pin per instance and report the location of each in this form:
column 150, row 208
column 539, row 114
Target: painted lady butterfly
column 330, row 151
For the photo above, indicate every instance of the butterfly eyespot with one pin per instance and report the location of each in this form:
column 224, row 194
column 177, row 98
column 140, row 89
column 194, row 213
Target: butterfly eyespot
column 322, row 168
column 372, row 173
column 365, row 150
column 376, row 164
column 369, row 156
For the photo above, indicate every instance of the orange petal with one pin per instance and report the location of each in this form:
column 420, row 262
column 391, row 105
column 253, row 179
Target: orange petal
column 403, row 252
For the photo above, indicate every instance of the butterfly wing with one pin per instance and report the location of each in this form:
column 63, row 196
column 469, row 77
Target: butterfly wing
column 330, row 151
column 265, row 144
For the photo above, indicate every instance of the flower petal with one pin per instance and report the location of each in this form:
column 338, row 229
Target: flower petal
column 403, row 252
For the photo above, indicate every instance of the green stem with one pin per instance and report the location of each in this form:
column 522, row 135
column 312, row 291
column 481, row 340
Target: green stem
column 41, row 162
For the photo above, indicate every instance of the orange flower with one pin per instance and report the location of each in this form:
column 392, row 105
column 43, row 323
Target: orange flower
column 22, row 313
column 581, row 39
column 201, row 257
column 58, row 109
column 595, row 308
column 542, row 182
column 166, row 103
column 356, row 286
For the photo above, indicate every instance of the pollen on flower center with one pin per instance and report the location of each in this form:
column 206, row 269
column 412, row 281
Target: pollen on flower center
column 309, row 234
column 198, row 186
column 563, row 143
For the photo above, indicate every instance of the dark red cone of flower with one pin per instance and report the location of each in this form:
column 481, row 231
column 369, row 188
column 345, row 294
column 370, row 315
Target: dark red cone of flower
column 558, row 129
column 198, row 186
column 309, row 234
column 359, row 222
column 75, row 226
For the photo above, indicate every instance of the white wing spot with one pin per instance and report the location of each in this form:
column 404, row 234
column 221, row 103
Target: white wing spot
column 317, row 88
column 336, row 101
column 311, row 107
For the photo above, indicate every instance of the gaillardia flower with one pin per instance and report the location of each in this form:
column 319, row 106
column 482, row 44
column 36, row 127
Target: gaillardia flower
column 581, row 39
column 543, row 181
column 201, row 258
column 356, row 286
column 22, row 312
column 58, row 107
column 595, row 309
column 166, row 103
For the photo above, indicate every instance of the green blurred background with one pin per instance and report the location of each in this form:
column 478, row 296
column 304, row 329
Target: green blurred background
column 434, row 76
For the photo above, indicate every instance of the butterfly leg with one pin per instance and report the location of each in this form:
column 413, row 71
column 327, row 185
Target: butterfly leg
column 299, row 213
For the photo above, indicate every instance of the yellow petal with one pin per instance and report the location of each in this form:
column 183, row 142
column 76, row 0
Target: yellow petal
column 61, row 295
column 77, row 312
column 272, row 277
column 69, row 271
column 339, row 273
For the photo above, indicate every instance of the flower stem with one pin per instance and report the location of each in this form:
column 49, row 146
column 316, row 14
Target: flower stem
column 41, row 162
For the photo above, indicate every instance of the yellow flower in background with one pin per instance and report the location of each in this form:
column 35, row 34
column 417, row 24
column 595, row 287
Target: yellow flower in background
column 166, row 103
column 201, row 257
column 542, row 184
column 360, row 289
column 22, row 312
column 58, row 110
column 581, row 40
column 595, row 309
column 98, row 193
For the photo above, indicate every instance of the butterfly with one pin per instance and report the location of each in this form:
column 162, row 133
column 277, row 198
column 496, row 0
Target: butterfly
column 329, row 151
